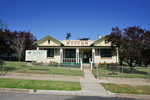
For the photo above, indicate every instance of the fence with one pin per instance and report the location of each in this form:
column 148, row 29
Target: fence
column 72, row 69
column 122, row 72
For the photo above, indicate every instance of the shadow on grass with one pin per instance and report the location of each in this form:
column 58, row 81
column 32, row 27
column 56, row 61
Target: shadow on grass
column 135, row 71
column 39, row 69
column 9, row 68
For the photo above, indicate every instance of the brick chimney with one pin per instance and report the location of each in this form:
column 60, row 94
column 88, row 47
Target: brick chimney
column 99, row 36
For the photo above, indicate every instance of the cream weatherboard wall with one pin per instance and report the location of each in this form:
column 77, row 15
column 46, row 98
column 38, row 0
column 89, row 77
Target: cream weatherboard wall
column 81, row 45
column 102, row 42
column 44, row 43
column 99, row 59
column 53, row 42
column 56, row 57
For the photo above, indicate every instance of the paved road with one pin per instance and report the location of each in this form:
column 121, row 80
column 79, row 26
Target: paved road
column 21, row 96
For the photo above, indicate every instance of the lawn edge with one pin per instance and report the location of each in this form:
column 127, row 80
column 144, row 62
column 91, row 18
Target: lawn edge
column 128, row 95
column 31, row 91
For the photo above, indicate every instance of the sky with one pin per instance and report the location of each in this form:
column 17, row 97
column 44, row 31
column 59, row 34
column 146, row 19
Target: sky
column 81, row 18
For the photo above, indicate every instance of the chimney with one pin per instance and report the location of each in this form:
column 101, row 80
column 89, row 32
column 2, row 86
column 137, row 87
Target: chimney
column 99, row 36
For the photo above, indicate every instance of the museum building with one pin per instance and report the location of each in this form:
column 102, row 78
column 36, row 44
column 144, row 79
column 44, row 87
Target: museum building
column 75, row 51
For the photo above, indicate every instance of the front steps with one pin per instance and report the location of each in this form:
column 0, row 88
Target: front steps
column 86, row 66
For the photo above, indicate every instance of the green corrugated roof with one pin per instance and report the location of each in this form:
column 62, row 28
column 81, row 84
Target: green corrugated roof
column 97, row 40
column 47, row 37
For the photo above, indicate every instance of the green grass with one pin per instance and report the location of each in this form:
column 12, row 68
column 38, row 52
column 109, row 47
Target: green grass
column 13, row 66
column 39, row 84
column 126, row 89
column 139, row 72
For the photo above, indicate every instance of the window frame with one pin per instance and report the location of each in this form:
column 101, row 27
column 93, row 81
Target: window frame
column 105, row 53
column 50, row 52
column 49, row 41
column 70, row 53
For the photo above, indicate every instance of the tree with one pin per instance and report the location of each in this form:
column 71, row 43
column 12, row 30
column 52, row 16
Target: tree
column 8, row 39
column 116, row 39
column 68, row 36
column 18, row 45
column 3, row 25
column 145, row 52
column 132, row 43
column 29, row 40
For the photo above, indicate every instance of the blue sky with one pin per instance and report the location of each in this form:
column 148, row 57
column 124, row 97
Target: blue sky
column 81, row 18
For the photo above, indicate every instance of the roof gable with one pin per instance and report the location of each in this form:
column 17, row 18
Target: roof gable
column 101, row 42
column 54, row 42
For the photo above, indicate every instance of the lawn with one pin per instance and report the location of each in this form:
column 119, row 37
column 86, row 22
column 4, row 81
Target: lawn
column 39, row 84
column 139, row 72
column 13, row 66
column 126, row 89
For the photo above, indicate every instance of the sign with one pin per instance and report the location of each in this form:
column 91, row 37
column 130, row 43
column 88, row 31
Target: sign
column 77, row 43
column 36, row 55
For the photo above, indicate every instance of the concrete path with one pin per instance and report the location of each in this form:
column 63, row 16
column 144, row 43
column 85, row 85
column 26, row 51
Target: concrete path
column 43, row 77
column 91, row 86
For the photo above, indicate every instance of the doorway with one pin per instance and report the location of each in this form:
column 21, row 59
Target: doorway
column 85, row 57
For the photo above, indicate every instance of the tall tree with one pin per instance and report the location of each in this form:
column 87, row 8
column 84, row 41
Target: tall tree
column 3, row 25
column 116, row 39
column 133, row 43
column 145, row 52
column 18, row 45
column 9, row 38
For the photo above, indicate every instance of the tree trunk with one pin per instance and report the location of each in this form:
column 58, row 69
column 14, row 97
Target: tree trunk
column 131, row 66
column 19, row 62
column 121, row 62
column 146, row 65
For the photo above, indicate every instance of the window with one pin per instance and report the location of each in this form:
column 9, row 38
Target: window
column 50, row 52
column 48, row 41
column 98, row 50
column 70, row 53
column 106, row 41
column 106, row 53
column 56, row 51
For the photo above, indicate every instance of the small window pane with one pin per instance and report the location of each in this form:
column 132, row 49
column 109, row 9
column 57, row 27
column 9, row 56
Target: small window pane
column 105, row 52
column 48, row 41
column 50, row 52
column 70, row 53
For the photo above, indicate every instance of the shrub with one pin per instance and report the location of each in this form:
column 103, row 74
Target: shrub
column 33, row 62
column 103, row 64
column 55, row 64
column 37, row 64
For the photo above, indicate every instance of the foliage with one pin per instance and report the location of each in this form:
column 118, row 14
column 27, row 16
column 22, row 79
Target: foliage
column 33, row 62
column 37, row 63
column 68, row 36
column 133, row 44
column 53, row 63
column 2, row 25
column 103, row 64
column 7, row 40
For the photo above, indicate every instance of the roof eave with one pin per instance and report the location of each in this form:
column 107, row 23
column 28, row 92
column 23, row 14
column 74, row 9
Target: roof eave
column 97, row 40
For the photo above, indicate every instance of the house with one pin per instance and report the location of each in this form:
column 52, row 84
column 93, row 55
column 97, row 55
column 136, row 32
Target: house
column 75, row 51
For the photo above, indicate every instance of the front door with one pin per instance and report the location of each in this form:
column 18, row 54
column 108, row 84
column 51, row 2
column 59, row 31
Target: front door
column 85, row 57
